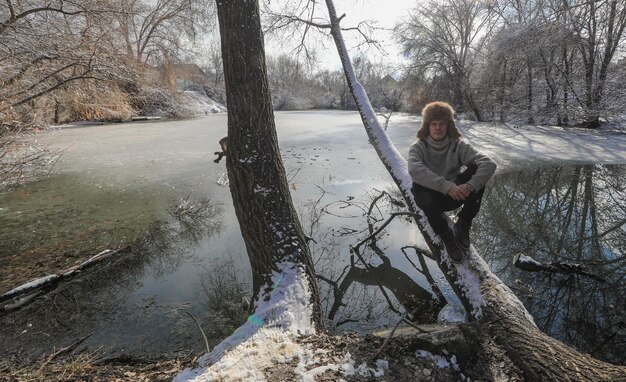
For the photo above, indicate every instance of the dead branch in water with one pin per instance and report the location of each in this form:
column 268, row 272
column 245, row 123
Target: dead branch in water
column 51, row 281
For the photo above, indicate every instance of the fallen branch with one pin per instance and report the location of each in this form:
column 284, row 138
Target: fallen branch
column 51, row 281
column 528, row 264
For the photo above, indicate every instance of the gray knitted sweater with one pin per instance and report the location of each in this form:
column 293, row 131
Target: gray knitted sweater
column 435, row 164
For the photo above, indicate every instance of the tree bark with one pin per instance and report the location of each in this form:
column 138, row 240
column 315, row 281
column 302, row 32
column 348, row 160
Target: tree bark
column 539, row 356
column 274, row 238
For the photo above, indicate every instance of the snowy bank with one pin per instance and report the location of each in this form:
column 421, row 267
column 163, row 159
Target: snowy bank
column 268, row 336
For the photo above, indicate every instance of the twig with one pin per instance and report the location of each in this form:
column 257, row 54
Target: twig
column 206, row 341
column 64, row 350
column 419, row 250
column 384, row 345
column 425, row 271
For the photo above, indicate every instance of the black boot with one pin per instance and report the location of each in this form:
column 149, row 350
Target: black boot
column 462, row 232
column 454, row 251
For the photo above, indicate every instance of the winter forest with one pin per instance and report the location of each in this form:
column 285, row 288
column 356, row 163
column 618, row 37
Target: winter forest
column 545, row 62
column 200, row 190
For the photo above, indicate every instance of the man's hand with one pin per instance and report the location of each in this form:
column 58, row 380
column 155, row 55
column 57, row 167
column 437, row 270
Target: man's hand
column 459, row 193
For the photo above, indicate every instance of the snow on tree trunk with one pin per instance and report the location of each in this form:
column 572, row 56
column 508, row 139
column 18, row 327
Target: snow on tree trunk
column 285, row 298
column 461, row 277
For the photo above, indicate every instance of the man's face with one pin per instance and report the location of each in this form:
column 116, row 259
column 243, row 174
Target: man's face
column 437, row 129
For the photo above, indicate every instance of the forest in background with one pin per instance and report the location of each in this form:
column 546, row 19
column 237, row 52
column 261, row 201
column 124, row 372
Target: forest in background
column 521, row 61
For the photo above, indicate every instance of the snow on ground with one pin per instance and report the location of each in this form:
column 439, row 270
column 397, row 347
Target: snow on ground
column 512, row 146
column 199, row 104
column 268, row 337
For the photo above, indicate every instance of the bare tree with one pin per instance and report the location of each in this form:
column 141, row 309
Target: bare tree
column 445, row 39
column 48, row 48
column 599, row 28
column 548, row 61
column 48, row 51
column 153, row 31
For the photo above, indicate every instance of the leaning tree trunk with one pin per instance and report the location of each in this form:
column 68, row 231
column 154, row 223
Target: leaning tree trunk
column 274, row 238
column 505, row 326
column 397, row 167
column 538, row 356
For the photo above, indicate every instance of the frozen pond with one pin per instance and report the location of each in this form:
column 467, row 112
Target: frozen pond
column 155, row 186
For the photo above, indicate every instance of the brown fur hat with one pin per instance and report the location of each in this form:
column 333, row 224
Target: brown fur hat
column 438, row 111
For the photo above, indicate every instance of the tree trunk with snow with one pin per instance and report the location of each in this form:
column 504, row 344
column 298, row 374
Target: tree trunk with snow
column 505, row 326
column 274, row 238
column 393, row 160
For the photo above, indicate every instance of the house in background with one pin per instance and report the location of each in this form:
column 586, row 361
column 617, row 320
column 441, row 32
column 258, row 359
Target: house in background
column 389, row 83
column 186, row 76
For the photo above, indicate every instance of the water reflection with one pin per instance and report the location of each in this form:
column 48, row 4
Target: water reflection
column 137, row 304
column 52, row 223
column 570, row 215
column 370, row 285
column 104, row 301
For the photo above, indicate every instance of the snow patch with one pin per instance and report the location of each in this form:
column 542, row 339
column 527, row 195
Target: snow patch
column 440, row 361
column 363, row 370
column 480, row 266
column 529, row 261
column 248, row 360
column 267, row 337
column 199, row 104
column 262, row 190
column 468, row 281
column 451, row 314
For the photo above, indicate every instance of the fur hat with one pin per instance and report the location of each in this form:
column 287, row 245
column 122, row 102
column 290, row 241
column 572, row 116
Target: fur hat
column 438, row 111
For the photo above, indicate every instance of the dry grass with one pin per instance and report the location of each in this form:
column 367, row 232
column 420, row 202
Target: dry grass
column 95, row 102
column 90, row 367
column 18, row 160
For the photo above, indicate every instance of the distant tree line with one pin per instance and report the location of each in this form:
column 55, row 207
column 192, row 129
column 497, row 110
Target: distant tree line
column 531, row 61
column 296, row 86
column 523, row 61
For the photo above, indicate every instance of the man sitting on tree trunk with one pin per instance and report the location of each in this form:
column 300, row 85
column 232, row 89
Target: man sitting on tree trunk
column 436, row 161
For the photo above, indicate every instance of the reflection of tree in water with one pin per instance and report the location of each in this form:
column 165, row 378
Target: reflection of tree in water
column 567, row 215
column 226, row 291
column 366, row 287
column 167, row 243
column 97, row 299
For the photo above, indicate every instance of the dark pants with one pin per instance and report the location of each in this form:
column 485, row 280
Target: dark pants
column 434, row 203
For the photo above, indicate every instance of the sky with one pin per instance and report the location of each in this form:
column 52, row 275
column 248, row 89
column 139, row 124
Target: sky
column 385, row 12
